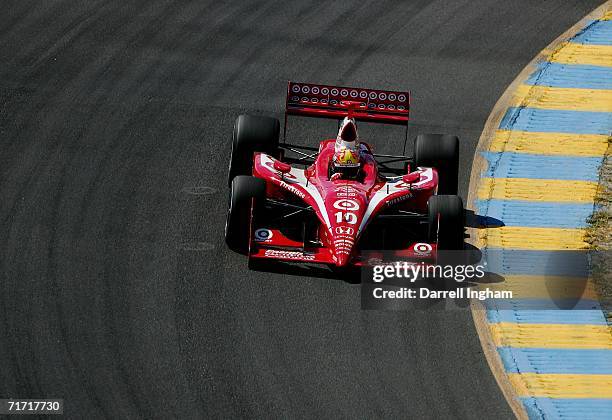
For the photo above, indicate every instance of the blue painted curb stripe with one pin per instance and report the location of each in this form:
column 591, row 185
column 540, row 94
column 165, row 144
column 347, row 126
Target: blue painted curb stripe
column 536, row 213
column 538, row 315
column 546, row 361
column 599, row 32
column 556, row 121
column 571, row 76
column 593, row 409
column 523, row 165
column 546, row 267
column 550, row 263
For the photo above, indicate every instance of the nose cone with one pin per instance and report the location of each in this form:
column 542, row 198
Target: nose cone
column 342, row 250
column 346, row 205
column 342, row 259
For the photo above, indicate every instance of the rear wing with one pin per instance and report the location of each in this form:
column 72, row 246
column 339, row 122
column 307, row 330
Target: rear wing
column 372, row 105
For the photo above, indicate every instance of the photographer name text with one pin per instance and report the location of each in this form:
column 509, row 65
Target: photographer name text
column 426, row 293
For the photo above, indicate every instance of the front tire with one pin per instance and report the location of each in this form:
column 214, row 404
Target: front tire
column 439, row 151
column 252, row 134
column 446, row 221
column 245, row 192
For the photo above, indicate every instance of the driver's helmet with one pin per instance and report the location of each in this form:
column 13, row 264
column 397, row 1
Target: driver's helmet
column 347, row 159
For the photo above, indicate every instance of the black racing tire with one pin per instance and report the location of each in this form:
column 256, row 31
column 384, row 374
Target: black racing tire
column 439, row 151
column 245, row 193
column 252, row 134
column 448, row 228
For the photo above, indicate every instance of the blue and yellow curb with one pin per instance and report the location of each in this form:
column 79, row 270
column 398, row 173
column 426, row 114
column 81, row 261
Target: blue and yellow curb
column 533, row 184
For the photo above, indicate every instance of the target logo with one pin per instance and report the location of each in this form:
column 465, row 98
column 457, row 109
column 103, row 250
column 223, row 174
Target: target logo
column 344, row 92
column 346, row 204
column 363, row 94
column 354, row 93
column 401, row 98
column 263, row 235
column 296, row 88
column 422, row 248
column 315, row 90
column 325, row 91
column 392, row 97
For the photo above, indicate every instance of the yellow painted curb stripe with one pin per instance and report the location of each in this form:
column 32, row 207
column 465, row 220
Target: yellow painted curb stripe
column 537, row 189
column 532, row 238
column 562, row 385
column 570, row 99
column 541, row 287
column 548, row 336
column 596, row 55
column 564, row 144
column 551, row 336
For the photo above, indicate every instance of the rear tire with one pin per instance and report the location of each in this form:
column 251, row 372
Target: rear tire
column 448, row 229
column 252, row 134
column 245, row 192
column 439, row 151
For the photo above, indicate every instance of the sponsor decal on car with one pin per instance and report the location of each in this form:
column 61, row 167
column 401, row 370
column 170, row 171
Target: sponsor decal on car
column 292, row 189
column 399, row 199
column 346, row 190
column 345, row 230
column 422, row 248
column 263, row 235
column 291, row 255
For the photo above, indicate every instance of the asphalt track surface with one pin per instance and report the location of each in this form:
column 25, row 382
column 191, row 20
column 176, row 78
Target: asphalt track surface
column 116, row 290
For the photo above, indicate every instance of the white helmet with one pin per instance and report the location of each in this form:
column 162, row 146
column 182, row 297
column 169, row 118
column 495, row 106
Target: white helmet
column 347, row 159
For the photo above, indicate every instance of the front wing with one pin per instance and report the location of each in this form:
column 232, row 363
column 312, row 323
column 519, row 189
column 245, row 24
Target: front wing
column 273, row 244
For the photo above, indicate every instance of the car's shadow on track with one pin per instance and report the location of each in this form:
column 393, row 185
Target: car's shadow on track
column 474, row 254
column 351, row 275
column 477, row 221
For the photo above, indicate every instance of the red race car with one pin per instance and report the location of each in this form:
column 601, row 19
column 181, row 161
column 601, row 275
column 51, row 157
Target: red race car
column 340, row 203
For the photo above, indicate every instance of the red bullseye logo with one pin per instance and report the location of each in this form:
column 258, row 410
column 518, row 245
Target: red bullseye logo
column 422, row 248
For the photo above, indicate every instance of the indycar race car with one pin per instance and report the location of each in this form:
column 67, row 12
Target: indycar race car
column 288, row 203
